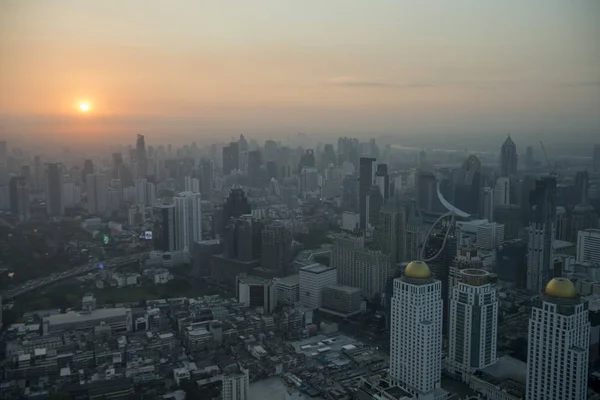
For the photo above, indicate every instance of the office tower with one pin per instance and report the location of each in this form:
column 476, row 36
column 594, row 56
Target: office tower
column 390, row 234
column 328, row 157
column 467, row 186
column 19, row 197
column 541, row 232
column 341, row 300
column 370, row 272
column 38, row 174
column 502, row 192
column 596, row 158
column 141, row 161
column 26, row 174
column 467, row 257
column 71, row 194
column 343, row 257
column 307, row 160
column 508, row 158
column 54, row 190
column 206, row 178
column 276, row 252
column 242, row 238
column 510, row 217
column 150, row 193
column 191, row 184
column 382, row 180
column 529, row 161
column 256, row 174
column 427, row 198
column 350, row 188
column 584, row 215
column 235, row 205
column 309, row 180
column 188, row 219
column 332, row 184
column 588, row 246
column 312, row 280
column 490, row 235
column 97, row 193
column 562, row 224
column 511, row 262
column 164, row 227
column 348, row 151
column 487, row 203
column 230, row 158
column 117, row 161
column 473, row 324
column 88, row 168
column 113, row 200
column 415, row 232
column 136, row 214
column 416, row 331
column 558, row 350
column 365, row 181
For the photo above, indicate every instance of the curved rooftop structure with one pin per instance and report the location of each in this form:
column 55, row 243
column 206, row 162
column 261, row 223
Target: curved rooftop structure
column 561, row 288
column 418, row 270
column 446, row 203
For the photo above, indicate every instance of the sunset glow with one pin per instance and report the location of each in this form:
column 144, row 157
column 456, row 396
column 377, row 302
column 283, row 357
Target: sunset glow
column 84, row 107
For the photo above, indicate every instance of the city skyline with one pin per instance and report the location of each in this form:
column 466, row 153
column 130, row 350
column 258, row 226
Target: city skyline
column 272, row 68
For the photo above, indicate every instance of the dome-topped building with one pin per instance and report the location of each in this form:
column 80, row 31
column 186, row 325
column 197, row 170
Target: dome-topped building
column 561, row 288
column 418, row 270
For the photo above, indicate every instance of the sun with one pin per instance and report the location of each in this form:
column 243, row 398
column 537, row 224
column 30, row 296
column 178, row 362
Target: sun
column 84, row 107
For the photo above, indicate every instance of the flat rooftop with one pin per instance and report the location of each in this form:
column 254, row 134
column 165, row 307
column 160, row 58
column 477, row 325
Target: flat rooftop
column 75, row 317
column 289, row 280
column 344, row 288
column 508, row 367
column 316, row 268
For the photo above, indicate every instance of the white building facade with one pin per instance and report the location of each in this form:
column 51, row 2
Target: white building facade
column 559, row 335
column 416, row 331
column 588, row 246
column 313, row 278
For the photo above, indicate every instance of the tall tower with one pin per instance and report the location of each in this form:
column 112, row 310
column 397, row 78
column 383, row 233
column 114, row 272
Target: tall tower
column 343, row 258
column 473, row 323
column 558, row 351
column 542, row 231
column 508, row 158
column 164, row 227
column 416, row 331
column 140, row 157
column 365, row 181
column 390, row 234
column 97, row 193
column 54, row 190
column 276, row 253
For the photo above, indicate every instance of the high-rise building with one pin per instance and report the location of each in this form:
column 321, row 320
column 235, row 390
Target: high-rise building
column 54, row 190
column 511, row 262
column 350, row 188
column 312, row 279
column 473, row 324
column 508, row 158
column 371, row 271
column 390, row 234
column 541, row 232
column 467, row 189
column 382, row 181
column 117, row 161
column 231, row 158
column 188, row 219
column 235, row 205
column 487, row 203
column 164, row 227
column 502, row 191
column 276, row 252
column 19, row 197
column 256, row 174
column 97, row 194
column 140, row 157
column 191, row 184
column 206, row 172
column 88, row 168
column 253, row 292
column 588, row 246
column 343, row 257
column 558, row 350
column 426, row 192
column 416, row 331
column 309, row 180
column 365, row 181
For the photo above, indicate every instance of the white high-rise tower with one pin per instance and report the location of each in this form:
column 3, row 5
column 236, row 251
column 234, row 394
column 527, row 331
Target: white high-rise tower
column 559, row 336
column 188, row 219
column 416, row 331
column 473, row 323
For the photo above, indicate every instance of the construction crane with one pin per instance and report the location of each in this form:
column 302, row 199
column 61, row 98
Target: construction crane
column 552, row 167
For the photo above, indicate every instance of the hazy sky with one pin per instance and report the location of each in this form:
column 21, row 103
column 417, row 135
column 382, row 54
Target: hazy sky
column 317, row 66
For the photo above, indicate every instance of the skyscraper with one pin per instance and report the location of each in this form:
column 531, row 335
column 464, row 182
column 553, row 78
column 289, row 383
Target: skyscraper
column 54, row 190
column 117, row 161
column 230, row 158
column 588, row 246
column 473, row 323
column 558, row 350
column 235, row 205
column 390, row 234
column 508, row 158
column 164, row 227
column 416, row 331
column 88, row 168
column 467, row 190
column 97, row 194
column 140, row 157
column 256, row 174
column 542, row 231
column 188, row 219
column 19, row 197
column 343, row 257
column 365, row 181
column 276, row 253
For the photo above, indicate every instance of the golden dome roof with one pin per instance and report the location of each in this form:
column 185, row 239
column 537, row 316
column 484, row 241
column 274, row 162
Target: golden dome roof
column 561, row 288
column 417, row 269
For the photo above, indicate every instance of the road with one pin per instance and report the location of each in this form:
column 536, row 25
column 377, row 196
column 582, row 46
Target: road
column 83, row 269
